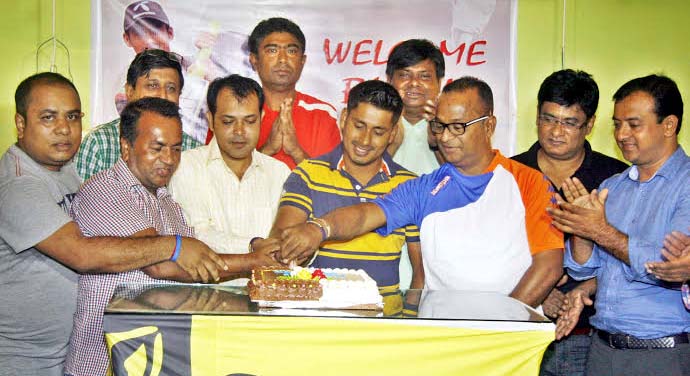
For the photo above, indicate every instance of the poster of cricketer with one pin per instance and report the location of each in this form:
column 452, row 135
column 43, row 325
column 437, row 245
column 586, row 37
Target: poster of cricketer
column 346, row 42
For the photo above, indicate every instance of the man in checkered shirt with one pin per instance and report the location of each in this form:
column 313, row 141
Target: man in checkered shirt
column 152, row 73
column 131, row 199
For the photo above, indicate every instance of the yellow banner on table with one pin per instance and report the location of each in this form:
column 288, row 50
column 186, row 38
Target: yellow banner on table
column 227, row 345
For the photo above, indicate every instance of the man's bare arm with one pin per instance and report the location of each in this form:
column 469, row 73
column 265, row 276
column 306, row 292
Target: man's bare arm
column 117, row 254
column 581, row 249
column 238, row 266
column 287, row 216
column 540, row 277
column 345, row 223
column 414, row 251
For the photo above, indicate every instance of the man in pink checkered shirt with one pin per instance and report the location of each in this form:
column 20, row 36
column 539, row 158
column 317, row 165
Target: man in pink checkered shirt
column 131, row 199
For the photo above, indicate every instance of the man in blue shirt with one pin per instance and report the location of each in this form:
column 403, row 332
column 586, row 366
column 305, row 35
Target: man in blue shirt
column 641, row 321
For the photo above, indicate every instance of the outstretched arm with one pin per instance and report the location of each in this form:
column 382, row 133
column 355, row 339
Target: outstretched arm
column 114, row 254
column 344, row 223
column 540, row 277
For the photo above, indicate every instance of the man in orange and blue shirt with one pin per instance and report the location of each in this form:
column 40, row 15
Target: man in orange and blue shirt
column 482, row 217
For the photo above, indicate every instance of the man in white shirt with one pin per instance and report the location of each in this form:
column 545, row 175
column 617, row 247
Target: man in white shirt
column 228, row 190
column 416, row 68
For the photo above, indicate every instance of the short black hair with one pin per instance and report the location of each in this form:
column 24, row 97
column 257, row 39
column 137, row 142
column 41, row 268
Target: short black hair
column 568, row 87
column 414, row 51
column 274, row 25
column 23, row 92
column 377, row 93
column 129, row 118
column 467, row 83
column 147, row 60
column 241, row 88
column 667, row 98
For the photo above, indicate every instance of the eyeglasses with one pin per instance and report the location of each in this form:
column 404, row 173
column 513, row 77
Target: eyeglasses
column 456, row 129
column 550, row 121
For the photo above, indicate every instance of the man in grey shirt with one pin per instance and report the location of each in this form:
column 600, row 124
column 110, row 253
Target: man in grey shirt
column 41, row 248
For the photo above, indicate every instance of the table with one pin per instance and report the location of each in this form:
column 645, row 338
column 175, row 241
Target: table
column 215, row 330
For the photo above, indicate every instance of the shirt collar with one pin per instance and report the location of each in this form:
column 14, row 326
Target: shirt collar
column 532, row 155
column 213, row 151
column 587, row 162
column 125, row 175
column 668, row 170
column 215, row 155
column 498, row 157
column 408, row 124
column 534, row 150
column 336, row 161
column 25, row 158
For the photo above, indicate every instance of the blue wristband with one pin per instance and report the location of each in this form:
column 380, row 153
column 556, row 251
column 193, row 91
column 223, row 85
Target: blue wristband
column 178, row 248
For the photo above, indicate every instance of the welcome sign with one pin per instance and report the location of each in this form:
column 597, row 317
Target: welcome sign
column 347, row 42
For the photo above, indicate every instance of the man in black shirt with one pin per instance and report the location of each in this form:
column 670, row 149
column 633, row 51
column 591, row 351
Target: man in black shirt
column 567, row 102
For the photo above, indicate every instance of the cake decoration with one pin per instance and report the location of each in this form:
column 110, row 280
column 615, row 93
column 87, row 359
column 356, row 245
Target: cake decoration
column 314, row 288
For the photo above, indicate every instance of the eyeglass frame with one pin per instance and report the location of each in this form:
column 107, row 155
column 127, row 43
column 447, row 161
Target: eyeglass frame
column 464, row 125
column 550, row 121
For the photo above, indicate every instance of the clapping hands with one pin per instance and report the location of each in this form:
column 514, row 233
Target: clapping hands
column 676, row 252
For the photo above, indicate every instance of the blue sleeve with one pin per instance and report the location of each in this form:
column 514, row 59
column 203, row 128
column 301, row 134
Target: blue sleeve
column 402, row 206
column 642, row 249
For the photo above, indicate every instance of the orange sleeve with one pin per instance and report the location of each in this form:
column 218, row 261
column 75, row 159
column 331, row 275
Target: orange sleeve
column 538, row 194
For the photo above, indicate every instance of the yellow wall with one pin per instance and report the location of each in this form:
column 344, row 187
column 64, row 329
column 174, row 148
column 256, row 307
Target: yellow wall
column 614, row 40
column 24, row 24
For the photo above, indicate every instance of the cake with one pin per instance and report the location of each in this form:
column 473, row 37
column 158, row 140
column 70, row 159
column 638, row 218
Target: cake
column 314, row 288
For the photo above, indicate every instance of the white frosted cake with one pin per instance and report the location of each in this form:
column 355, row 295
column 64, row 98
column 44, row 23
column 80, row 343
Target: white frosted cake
column 314, row 288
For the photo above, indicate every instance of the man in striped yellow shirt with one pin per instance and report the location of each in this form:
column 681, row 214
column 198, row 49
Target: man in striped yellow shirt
column 357, row 170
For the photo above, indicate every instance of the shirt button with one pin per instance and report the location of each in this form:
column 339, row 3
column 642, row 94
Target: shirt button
column 362, row 199
column 358, row 187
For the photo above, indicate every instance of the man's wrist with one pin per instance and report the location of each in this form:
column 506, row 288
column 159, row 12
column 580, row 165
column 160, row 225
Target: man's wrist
column 178, row 248
column 323, row 226
column 297, row 154
column 267, row 149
